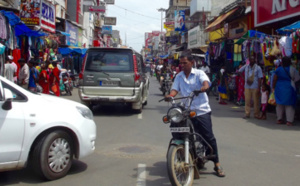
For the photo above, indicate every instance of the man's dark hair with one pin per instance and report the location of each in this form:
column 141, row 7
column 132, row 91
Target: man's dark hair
column 286, row 61
column 32, row 61
column 189, row 57
column 21, row 60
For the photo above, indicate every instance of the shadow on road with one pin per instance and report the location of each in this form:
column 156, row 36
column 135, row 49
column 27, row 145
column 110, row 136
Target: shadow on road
column 28, row 176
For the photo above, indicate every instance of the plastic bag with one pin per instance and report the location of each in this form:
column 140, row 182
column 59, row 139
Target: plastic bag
column 54, row 88
column 272, row 100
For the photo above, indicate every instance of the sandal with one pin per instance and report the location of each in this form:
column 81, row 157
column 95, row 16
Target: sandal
column 219, row 171
column 279, row 122
column 289, row 124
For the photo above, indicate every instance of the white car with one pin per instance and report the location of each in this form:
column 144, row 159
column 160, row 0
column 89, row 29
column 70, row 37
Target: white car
column 42, row 130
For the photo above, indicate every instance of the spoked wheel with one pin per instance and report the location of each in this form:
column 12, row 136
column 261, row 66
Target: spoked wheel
column 179, row 173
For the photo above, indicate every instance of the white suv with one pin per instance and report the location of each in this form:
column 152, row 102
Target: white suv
column 42, row 130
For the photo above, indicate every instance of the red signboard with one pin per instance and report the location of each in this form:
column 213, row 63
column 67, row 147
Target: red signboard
column 269, row 11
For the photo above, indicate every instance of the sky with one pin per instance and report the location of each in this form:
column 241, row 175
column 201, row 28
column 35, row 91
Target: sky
column 135, row 17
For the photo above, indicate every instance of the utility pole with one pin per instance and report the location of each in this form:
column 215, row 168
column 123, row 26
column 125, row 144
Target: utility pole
column 162, row 10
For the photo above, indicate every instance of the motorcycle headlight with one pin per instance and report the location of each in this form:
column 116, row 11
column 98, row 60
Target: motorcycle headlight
column 175, row 115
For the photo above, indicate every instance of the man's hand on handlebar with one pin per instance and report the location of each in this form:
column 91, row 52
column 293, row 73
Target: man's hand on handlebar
column 168, row 98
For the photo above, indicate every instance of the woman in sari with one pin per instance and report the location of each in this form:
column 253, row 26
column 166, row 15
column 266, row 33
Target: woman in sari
column 285, row 91
column 44, row 79
column 54, row 78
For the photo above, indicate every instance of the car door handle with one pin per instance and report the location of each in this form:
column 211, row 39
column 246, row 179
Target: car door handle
column 88, row 76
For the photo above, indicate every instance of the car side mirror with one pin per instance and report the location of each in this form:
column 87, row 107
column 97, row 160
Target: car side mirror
column 7, row 105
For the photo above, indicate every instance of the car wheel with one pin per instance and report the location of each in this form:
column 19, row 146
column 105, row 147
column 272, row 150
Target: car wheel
column 53, row 154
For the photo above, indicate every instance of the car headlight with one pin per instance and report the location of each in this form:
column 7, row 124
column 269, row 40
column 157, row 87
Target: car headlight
column 175, row 115
column 85, row 112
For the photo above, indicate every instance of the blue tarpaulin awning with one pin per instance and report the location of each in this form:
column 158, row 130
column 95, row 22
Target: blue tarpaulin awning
column 66, row 51
column 164, row 56
column 20, row 27
column 63, row 33
column 250, row 34
column 289, row 29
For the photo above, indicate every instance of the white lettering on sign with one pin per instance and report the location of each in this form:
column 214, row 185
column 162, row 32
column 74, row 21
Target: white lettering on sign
column 294, row 3
column 73, row 34
column 278, row 6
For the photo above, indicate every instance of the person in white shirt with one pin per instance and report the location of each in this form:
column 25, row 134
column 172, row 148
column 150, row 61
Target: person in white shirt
column 9, row 70
column 186, row 81
column 206, row 69
column 23, row 74
column 10, row 58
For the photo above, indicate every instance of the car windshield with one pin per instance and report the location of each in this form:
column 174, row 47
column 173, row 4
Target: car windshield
column 109, row 61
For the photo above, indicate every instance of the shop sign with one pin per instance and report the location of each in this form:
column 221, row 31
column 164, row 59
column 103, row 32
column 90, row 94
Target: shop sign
column 106, row 29
column 194, row 38
column 237, row 29
column 48, row 17
column 148, row 38
column 109, row 2
column 269, row 11
column 80, row 36
column 179, row 20
column 30, row 12
column 96, row 9
column 73, row 31
column 110, row 20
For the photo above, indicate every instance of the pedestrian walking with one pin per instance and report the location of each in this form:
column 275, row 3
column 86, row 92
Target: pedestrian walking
column 264, row 101
column 253, row 78
column 54, row 78
column 11, row 58
column 9, row 70
column 285, row 91
column 33, row 76
column 44, row 79
column 23, row 74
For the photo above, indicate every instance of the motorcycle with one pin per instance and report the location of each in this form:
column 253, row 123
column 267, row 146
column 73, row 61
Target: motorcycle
column 66, row 83
column 166, row 83
column 186, row 154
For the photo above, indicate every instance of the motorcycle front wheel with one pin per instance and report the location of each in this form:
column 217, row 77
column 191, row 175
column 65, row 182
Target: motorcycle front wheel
column 179, row 173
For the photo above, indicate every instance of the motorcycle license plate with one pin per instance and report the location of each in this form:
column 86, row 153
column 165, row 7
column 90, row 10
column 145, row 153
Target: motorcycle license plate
column 180, row 129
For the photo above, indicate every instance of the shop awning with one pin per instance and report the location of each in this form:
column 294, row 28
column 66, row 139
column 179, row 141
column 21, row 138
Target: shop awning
column 249, row 34
column 67, row 50
column 63, row 33
column 20, row 27
column 289, row 29
column 164, row 56
column 217, row 23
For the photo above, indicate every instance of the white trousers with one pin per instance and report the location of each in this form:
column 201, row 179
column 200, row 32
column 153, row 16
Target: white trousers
column 289, row 112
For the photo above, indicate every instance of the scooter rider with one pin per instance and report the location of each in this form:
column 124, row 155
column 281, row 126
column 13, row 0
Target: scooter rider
column 191, row 79
column 163, row 71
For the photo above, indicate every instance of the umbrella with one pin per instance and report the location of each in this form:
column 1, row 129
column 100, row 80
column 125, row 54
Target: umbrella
column 289, row 29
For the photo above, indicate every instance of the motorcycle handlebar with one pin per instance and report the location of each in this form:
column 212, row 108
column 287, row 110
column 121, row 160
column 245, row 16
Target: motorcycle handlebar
column 194, row 93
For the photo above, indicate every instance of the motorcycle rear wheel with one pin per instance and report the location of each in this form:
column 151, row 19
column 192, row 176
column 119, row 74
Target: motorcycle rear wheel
column 179, row 174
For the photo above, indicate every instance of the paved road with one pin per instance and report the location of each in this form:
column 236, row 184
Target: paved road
column 131, row 149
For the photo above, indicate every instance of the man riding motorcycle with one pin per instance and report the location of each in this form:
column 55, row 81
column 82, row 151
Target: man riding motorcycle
column 188, row 80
